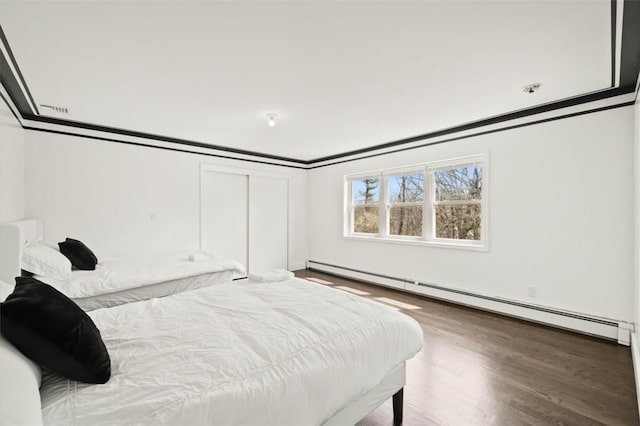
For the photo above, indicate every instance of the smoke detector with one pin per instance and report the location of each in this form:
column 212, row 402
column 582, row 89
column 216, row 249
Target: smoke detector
column 531, row 88
column 58, row 109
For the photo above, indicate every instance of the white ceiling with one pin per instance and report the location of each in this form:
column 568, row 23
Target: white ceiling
column 340, row 75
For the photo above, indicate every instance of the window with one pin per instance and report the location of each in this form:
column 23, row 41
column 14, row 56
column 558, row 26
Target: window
column 365, row 205
column 457, row 202
column 406, row 203
column 440, row 203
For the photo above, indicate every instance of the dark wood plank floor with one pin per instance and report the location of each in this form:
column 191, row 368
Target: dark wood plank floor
column 479, row 368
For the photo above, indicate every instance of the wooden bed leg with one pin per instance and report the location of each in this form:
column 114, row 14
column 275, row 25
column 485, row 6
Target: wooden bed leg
column 397, row 407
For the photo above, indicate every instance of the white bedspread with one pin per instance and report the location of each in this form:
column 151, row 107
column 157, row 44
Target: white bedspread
column 114, row 274
column 237, row 354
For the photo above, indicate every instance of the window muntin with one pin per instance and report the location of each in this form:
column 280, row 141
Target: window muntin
column 441, row 203
column 457, row 204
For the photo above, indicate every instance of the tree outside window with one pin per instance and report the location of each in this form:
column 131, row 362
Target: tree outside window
column 365, row 205
column 458, row 202
column 406, row 201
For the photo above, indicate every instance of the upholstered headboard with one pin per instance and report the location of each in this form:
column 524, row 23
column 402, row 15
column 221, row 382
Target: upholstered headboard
column 14, row 237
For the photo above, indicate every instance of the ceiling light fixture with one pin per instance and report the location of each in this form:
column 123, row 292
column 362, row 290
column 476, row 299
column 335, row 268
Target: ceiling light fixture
column 272, row 119
column 531, row 88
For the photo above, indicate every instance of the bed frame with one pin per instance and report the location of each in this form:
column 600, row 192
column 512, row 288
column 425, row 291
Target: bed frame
column 14, row 236
column 392, row 386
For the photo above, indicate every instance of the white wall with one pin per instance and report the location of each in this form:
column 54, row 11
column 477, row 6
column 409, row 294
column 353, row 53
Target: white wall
column 568, row 181
column 635, row 350
column 11, row 166
column 104, row 193
column 636, row 168
column 560, row 214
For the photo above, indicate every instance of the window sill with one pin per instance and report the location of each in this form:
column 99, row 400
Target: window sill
column 418, row 242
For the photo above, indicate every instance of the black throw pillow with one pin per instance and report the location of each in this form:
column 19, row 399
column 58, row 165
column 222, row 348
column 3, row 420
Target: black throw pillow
column 79, row 254
column 50, row 329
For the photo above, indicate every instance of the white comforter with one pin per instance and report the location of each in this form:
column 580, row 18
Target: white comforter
column 122, row 273
column 237, row 354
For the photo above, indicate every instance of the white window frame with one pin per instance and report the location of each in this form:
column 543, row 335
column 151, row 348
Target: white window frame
column 351, row 206
column 429, row 204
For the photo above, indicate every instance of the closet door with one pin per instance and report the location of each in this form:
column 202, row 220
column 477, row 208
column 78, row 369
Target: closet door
column 224, row 214
column 268, row 230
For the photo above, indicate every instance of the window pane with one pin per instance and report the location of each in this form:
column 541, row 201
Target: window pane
column 365, row 191
column 462, row 183
column 459, row 221
column 406, row 188
column 406, row 221
column 365, row 219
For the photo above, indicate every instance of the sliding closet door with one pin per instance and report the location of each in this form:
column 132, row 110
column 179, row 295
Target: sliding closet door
column 224, row 214
column 268, row 230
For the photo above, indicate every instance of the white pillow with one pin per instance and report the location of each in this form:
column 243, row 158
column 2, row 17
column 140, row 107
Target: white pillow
column 40, row 259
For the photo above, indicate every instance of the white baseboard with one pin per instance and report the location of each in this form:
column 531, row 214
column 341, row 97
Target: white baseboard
column 635, row 355
column 609, row 329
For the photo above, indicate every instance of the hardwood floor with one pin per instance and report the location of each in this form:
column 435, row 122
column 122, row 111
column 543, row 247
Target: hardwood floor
column 479, row 368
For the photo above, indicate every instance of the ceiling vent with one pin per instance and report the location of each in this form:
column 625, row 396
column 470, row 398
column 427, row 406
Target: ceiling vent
column 55, row 108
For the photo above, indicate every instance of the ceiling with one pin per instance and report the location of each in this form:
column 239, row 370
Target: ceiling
column 341, row 76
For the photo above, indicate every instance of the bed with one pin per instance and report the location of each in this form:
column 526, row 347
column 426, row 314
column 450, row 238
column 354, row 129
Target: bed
column 126, row 279
column 123, row 279
column 287, row 353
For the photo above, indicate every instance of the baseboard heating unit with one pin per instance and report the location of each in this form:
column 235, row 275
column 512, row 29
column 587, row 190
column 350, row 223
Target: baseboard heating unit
column 606, row 328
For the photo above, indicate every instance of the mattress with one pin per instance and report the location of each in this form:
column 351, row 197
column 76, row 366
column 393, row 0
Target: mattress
column 288, row 353
column 162, row 289
column 136, row 277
